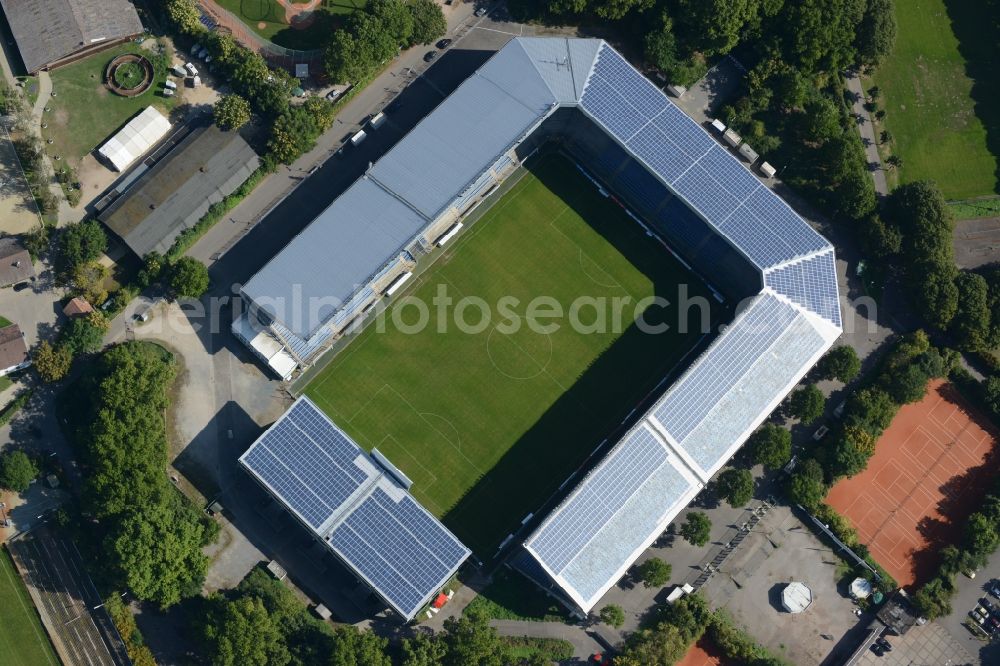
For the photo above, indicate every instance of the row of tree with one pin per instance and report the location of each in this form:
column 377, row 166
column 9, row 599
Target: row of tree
column 151, row 536
column 981, row 537
column 679, row 625
column 901, row 379
column 262, row 622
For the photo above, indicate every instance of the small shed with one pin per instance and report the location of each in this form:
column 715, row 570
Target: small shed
column 77, row 307
column 796, row 597
column 718, row 126
column 766, row 169
column 731, row 137
column 748, row 153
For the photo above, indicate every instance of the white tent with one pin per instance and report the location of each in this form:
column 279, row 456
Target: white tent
column 796, row 597
column 861, row 588
column 132, row 141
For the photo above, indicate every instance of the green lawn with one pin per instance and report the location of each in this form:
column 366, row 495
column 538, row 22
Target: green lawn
column 940, row 93
column 488, row 424
column 23, row 641
column 84, row 113
column 267, row 19
column 511, row 596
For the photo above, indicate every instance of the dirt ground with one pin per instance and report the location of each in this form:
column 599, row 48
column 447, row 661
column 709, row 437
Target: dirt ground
column 18, row 214
column 977, row 242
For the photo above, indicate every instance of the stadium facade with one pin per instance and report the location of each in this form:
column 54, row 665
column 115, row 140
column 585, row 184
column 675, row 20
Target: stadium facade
column 689, row 190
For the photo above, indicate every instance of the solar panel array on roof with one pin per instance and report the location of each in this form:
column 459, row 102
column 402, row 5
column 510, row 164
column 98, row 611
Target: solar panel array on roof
column 809, row 284
column 371, row 522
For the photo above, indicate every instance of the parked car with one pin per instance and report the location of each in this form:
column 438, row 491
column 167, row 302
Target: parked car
column 444, row 43
column 430, row 55
column 994, row 589
column 191, row 69
column 481, row 11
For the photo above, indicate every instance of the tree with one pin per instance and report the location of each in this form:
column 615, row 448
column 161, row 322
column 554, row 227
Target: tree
column 981, row 535
column 343, row 60
column 428, row 21
column 806, row 486
column 894, row 161
column 613, row 616
column 806, row 403
column 157, row 545
column 870, row 408
column 877, row 33
column 244, row 633
column 885, row 136
column 188, row 278
column 52, row 361
column 184, row 15
column 713, row 26
column 771, row 446
column 89, row 281
column 17, row 471
column 81, row 243
column 735, row 486
column 907, row 385
column 471, row 640
column 936, row 293
column 352, row 647
column 423, row 650
column 933, row 600
column 840, row 363
column 696, row 528
column 232, row 112
column 395, row 18
column 991, row 390
column 852, row 449
column 654, row 572
column 84, row 335
column 971, row 324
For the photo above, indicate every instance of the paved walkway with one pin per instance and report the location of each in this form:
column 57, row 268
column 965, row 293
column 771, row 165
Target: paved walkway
column 867, row 130
column 584, row 645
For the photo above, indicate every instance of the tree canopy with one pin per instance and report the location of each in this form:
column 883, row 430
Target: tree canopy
column 188, row 278
column 654, row 572
column 696, row 528
column 51, row 362
column 613, row 616
column 231, row 112
column 806, row 485
column 428, row 21
column 877, row 32
column 806, row 403
column 840, row 363
column 735, row 486
column 17, row 471
column 771, row 446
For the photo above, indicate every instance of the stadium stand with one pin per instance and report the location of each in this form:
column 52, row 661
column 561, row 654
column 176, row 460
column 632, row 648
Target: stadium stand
column 706, row 205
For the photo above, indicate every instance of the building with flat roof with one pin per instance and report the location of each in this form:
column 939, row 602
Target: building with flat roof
column 50, row 33
column 679, row 183
column 203, row 168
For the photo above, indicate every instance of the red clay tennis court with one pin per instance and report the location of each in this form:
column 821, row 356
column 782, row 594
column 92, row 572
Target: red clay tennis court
column 930, row 468
column 704, row 653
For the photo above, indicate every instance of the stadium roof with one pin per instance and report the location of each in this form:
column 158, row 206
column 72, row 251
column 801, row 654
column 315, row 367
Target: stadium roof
column 132, row 141
column 49, row 30
column 705, row 416
column 356, row 507
column 204, row 168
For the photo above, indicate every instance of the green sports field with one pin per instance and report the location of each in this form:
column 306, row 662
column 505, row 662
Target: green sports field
column 23, row 641
column 489, row 423
column 940, row 92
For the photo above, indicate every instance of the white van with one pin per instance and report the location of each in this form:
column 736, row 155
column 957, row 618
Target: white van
column 377, row 120
column 359, row 137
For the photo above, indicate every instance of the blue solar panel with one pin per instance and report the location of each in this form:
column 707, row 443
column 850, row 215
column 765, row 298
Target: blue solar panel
column 727, row 170
column 636, row 88
column 646, row 192
column 695, row 394
column 811, row 283
column 596, row 501
column 683, row 131
column 602, row 102
column 706, row 195
column 763, row 246
column 405, row 552
column 292, row 490
column 770, row 209
column 660, row 153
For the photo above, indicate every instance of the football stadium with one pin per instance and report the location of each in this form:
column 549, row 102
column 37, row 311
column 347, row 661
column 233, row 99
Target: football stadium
column 595, row 186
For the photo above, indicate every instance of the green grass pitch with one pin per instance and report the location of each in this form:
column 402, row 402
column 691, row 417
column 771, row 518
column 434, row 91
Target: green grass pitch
column 23, row 641
column 940, row 92
column 488, row 425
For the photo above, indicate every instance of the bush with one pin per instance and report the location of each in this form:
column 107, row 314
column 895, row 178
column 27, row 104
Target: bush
column 17, row 471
